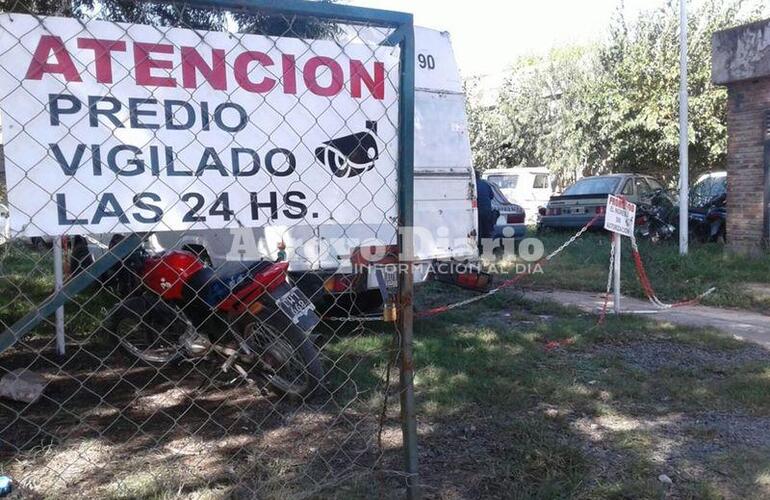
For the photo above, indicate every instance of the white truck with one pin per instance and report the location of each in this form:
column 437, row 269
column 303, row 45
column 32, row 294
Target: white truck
column 319, row 256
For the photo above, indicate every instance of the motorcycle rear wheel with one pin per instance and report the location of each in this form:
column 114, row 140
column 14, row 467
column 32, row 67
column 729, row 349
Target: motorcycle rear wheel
column 289, row 359
column 147, row 330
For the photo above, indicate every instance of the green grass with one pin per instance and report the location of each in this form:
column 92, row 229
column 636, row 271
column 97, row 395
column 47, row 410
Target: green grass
column 585, row 263
column 464, row 362
column 504, row 413
column 26, row 279
column 488, row 365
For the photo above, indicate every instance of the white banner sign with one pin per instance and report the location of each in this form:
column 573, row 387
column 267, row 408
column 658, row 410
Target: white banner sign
column 620, row 216
column 112, row 127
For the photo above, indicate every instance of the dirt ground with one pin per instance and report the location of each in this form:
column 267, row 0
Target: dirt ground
column 109, row 426
column 626, row 451
column 516, row 399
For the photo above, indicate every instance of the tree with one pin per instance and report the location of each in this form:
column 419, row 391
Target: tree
column 542, row 114
column 178, row 15
column 640, row 82
column 614, row 106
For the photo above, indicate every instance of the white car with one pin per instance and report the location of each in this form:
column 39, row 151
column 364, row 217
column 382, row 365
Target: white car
column 529, row 188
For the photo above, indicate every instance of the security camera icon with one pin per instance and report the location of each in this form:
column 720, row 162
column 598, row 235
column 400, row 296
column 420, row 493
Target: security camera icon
column 352, row 154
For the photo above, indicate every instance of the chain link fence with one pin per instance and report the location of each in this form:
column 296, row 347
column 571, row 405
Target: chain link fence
column 212, row 183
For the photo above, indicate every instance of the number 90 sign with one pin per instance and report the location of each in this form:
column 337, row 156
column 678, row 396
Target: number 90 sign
column 426, row 61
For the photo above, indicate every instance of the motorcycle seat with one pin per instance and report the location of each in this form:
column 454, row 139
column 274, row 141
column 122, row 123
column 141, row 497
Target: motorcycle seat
column 235, row 274
column 214, row 285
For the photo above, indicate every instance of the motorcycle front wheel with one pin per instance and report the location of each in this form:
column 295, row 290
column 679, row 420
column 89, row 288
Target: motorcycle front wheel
column 288, row 358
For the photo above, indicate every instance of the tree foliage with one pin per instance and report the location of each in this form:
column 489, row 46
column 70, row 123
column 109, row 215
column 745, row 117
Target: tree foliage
column 177, row 15
column 612, row 106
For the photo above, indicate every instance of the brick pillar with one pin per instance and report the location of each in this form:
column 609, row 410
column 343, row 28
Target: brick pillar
column 748, row 108
column 741, row 62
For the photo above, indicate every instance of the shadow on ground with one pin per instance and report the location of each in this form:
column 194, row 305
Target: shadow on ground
column 110, row 425
column 521, row 400
column 515, row 400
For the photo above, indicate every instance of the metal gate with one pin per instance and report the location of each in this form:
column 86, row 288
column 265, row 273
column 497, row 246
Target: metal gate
column 189, row 185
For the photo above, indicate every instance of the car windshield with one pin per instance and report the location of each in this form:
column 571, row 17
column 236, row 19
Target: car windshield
column 504, row 181
column 593, row 185
column 706, row 190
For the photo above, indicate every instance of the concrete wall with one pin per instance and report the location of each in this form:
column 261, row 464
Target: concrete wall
column 741, row 53
column 741, row 61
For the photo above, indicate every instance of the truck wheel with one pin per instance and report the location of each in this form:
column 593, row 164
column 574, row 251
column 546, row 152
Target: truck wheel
column 367, row 301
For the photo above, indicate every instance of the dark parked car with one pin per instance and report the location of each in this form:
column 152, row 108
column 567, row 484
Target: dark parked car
column 510, row 215
column 587, row 198
column 708, row 207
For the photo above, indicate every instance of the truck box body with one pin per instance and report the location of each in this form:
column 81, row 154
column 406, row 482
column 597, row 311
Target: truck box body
column 444, row 192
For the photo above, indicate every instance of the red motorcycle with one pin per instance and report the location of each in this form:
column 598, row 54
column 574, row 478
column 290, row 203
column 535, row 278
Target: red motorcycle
column 173, row 296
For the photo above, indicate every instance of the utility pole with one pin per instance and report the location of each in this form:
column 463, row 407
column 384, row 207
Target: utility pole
column 684, row 181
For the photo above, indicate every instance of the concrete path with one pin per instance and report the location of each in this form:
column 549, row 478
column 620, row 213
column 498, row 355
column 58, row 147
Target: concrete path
column 742, row 325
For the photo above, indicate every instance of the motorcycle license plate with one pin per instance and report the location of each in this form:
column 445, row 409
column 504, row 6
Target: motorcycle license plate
column 389, row 274
column 298, row 308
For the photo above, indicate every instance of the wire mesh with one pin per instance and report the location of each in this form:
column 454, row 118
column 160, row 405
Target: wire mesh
column 194, row 368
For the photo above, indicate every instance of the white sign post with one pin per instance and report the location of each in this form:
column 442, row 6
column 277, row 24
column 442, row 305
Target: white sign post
column 58, row 268
column 619, row 218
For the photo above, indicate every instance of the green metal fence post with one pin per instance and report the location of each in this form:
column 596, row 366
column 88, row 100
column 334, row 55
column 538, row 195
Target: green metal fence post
column 403, row 34
column 406, row 251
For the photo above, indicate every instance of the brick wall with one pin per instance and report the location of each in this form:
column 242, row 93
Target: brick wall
column 747, row 105
column 740, row 60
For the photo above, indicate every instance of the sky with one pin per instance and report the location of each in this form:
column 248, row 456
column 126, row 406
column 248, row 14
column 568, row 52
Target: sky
column 488, row 35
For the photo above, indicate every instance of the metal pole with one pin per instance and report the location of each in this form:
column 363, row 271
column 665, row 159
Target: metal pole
column 58, row 284
column 616, row 242
column 684, row 181
column 766, row 164
column 406, row 252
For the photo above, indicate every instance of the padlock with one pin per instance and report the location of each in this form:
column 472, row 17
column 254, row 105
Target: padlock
column 390, row 313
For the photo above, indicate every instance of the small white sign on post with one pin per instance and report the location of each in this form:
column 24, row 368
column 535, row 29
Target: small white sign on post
column 619, row 218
